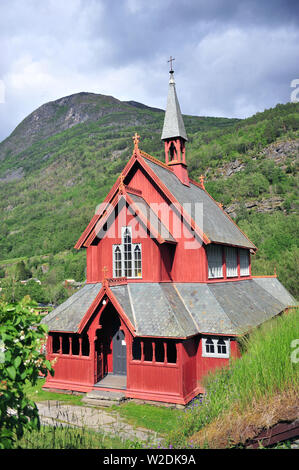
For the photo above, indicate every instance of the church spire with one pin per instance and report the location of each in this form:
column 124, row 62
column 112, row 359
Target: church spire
column 174, row 134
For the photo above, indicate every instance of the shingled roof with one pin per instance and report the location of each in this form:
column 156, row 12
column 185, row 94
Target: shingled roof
column 173, row 121
column 181, row 310
column 216, row 224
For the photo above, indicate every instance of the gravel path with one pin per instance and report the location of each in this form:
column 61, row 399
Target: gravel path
column 55, row 412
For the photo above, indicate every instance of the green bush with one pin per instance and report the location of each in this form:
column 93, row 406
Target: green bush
column 22, row 361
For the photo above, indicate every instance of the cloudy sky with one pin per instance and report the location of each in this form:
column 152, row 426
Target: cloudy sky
column 233, row 57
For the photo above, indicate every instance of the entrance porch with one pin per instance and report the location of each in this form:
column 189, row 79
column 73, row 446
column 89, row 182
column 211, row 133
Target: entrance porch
column 112, row 381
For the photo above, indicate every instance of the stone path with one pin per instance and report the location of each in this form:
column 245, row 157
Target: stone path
column 58, row 413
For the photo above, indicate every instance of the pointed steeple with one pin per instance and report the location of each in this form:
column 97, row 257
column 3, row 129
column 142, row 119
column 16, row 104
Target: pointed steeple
column 173, row 121
column 174, row 133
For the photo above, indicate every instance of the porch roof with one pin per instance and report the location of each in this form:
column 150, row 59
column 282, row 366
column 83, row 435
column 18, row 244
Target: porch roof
column 180, row 310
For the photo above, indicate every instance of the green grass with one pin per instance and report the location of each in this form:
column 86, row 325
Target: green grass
column 264, row 371
column 157, row 418
column 37, row 394
column 58, row 437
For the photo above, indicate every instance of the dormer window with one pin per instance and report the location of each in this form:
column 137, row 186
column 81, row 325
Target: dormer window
column 127, row 257
column 223, row 262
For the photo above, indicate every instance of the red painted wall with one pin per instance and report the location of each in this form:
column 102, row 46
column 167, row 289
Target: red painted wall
column 207, row 364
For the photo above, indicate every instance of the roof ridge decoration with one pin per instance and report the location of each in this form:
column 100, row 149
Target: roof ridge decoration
column 173, row 121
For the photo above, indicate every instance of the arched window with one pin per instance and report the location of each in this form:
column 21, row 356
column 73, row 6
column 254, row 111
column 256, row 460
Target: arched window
column 127, row 249
column 210, row 346
column 221, row 346
column 137, row 261
column 117, row 261
column 127, row 257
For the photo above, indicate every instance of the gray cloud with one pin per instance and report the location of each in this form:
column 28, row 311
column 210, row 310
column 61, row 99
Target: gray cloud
column 232, row 58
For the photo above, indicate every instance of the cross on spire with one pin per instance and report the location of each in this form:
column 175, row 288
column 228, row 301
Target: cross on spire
column 171, row 59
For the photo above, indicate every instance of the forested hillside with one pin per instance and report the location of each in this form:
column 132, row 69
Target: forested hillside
column 61, row 161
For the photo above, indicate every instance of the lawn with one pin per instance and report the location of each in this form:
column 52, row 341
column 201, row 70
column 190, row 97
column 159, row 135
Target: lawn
column 37, row 394
column 156, row 418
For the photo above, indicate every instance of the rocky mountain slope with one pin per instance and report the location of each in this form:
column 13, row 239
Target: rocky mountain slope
column 64, row 113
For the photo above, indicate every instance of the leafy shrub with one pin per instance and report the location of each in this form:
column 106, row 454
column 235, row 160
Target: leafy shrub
column 22, row 361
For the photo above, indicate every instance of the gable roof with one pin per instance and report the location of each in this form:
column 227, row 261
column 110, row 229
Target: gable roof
column 214, row 226
column 144, row 213
column 178, row 310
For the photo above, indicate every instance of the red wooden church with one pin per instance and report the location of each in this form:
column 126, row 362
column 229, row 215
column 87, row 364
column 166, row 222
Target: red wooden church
column 169, row 286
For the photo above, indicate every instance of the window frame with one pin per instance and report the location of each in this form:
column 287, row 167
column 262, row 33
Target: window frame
column 231, row 249
column 210, row 267
column 242, row 252
column 124, row 263
column 215, row 340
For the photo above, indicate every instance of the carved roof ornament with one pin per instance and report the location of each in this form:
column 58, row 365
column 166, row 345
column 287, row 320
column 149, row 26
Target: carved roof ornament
column 105, row 282
column 202, row 181
column 136, row 139
column 121, row 186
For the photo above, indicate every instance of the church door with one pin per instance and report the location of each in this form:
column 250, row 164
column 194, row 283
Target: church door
column 119, row 353
column 99, row 358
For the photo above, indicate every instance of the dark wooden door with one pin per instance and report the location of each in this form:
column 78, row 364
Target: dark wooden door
column 99, row 359
column 119, row 353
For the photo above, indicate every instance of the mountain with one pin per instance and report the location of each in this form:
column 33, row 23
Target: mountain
column 62, row 114
column 60, row 162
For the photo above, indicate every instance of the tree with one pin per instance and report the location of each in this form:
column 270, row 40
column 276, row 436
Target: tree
column 22, row 272
column 21, row 361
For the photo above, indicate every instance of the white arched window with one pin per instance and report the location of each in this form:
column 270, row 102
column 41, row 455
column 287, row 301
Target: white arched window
column 127, row 257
